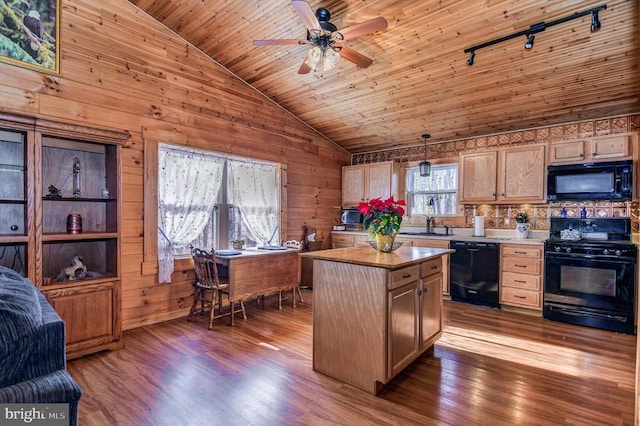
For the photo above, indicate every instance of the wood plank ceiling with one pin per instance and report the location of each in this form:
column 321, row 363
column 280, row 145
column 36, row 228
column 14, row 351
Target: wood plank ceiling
column 419, row 80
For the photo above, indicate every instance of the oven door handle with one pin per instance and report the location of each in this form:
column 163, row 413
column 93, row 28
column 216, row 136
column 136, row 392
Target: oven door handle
column 593, row 258
column 580, row 312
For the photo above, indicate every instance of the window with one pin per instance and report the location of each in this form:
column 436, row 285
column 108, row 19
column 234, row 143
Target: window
column 208, row 199
column 433, row 195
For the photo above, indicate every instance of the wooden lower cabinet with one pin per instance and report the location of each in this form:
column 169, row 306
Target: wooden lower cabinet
column 404, row 314
column 91, row 316
column 370, row 322
column 521, row 276
column 414, row 313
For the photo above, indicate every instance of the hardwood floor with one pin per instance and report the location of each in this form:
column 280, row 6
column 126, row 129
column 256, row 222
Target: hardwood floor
column 491, row 367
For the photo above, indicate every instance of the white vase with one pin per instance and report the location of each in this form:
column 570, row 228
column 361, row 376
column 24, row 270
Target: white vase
column 522, row 230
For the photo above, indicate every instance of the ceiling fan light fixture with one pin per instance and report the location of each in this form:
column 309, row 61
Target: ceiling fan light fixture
column 331, row 58
column 314, row 55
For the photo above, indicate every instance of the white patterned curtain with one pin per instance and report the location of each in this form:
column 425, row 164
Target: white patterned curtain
column 188, row 187
column 254, row 189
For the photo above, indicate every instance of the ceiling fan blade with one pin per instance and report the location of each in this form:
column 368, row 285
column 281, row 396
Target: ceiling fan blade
column 357, row 58
column 306, row 13
column 304, row 68
column 367, row 27
column 278, row 42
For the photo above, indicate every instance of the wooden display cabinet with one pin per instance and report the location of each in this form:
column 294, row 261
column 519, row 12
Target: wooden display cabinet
column 34, row 236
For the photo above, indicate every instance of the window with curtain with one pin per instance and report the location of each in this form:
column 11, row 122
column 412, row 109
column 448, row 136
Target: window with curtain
column 433, row 195
column 206, row 199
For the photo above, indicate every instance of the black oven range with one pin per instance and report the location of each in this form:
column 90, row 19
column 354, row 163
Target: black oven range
column 590, row 273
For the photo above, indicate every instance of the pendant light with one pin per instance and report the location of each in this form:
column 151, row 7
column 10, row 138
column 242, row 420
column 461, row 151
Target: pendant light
column 425, row 166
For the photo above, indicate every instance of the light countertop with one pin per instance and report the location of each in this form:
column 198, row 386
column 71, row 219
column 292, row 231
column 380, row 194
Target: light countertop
column 464, row 234
column 368, row 256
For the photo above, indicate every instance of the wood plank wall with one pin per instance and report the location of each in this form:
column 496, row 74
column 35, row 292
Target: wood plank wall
column 123, row 70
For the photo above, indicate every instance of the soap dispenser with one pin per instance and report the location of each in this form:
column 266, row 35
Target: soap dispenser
column 583, row 212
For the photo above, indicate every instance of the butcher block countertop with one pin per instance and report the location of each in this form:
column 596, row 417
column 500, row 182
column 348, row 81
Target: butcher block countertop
column 368, row 256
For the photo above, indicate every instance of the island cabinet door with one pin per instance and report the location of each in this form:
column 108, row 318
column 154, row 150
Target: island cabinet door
column 431, row 315
column 403, row 326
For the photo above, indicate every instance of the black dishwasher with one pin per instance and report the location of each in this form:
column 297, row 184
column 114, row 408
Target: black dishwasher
column 474, row 272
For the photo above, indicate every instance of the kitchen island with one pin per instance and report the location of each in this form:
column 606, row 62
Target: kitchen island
column 374, row 313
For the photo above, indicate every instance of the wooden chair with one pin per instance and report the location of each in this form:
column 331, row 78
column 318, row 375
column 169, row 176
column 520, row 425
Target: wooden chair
column 209, row 287
column 297, row 245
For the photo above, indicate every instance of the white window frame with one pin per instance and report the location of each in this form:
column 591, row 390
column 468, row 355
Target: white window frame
column 435, row 193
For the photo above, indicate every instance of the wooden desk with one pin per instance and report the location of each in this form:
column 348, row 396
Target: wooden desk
column 256, row 272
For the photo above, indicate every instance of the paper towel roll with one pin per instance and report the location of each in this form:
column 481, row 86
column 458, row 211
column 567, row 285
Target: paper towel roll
column 479, row 226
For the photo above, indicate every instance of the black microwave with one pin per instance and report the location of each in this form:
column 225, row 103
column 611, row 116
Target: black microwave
column 351, row 216
column 591, row 181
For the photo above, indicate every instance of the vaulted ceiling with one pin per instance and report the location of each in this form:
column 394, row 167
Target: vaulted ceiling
column 419, row 80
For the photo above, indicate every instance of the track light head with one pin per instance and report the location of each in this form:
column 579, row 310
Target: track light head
column 529, row 42
column 472, row 55
column 595, row 22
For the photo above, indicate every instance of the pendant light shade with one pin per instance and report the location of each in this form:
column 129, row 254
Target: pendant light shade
column 425, row 166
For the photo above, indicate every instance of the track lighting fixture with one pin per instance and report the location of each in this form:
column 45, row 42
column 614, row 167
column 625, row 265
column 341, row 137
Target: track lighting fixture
column 536, row 28
column 472, row 55
column 425, row 166
column 595, row 22
column 529, row 43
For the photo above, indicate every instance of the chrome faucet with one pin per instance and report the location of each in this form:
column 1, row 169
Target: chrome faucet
column 429, row 220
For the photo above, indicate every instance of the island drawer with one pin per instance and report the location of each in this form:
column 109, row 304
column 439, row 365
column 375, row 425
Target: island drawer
column 431, row 267
column 403, row 276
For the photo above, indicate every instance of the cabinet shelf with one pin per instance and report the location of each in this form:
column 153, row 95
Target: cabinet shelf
column 81, row 199
column 51, row 285
column 11, row 239
column 58, row 237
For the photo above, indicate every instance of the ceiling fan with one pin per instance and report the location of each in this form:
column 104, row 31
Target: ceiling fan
column 325, row 39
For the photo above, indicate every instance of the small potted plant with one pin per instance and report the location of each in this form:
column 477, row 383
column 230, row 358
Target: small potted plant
column 237, row 244
column 522, row 225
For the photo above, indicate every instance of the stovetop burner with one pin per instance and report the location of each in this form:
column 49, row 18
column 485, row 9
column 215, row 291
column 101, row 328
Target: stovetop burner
column 591, row 231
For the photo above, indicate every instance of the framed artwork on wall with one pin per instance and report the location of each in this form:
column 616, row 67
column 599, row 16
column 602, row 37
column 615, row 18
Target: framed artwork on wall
column 30, row 34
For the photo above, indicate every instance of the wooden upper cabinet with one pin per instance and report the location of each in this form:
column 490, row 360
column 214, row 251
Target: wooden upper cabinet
column 601, row 148
column 566, row 151
column 364, row 181
column 353, row 184
column 515, row 174
column 616, row 147
column 523, row 174
column 478, row 177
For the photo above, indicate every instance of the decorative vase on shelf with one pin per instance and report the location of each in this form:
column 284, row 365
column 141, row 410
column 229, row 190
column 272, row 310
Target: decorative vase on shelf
column 522, row 230
column 384, row 243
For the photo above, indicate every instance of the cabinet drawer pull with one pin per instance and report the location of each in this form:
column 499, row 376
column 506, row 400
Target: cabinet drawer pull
column 434, row 267
column 520, row 266
column 520, row 281
column 520, row 252
column 406, row 275
column 519, row 297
